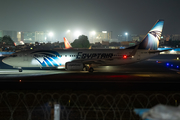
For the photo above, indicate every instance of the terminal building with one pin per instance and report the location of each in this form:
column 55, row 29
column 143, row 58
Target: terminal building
column 12, row 34
column 100, row 36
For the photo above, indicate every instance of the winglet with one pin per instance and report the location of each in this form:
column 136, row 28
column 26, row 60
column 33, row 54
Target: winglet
column 90, row 47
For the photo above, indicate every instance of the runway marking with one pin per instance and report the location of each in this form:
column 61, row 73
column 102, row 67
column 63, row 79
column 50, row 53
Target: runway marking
column 141, row 75
column 175, row 70
column 6, row 71
column 178, row 72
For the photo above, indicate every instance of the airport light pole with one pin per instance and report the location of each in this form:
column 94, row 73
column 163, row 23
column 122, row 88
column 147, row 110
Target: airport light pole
column 77, row 34
column 51, row 35
column 126, row 34
column 68, row 35
column 93, row 33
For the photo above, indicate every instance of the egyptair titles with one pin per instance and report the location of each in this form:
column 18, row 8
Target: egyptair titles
column 82, row 55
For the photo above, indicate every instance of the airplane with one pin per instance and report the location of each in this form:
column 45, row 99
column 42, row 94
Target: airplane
column 87, row 59
column 67, row 44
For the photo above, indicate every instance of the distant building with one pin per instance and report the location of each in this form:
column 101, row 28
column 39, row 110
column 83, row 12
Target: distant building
column 41, row 36
column 100, row 36
column 1, row 33
column 28, row 37
column 135, row 38
column 175, row 37
column 128, row 43
column 12, row 34
column 121, row 38
column 106, row 43
column 19, row 37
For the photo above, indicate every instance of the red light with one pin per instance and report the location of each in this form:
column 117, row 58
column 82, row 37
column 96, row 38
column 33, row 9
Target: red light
column 124, row 56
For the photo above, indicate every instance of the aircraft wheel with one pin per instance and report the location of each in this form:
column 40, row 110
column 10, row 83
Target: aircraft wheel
column 85, row 68
column 91, row 69
column 20, row 70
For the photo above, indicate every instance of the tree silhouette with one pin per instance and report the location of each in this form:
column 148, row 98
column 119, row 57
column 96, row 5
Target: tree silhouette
column 6, row 40
column 81, row 42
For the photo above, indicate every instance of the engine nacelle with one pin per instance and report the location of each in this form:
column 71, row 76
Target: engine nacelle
column 74, row 66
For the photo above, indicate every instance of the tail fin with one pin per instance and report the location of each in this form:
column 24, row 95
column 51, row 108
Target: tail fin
column 67, row 44
column 90, row 47
column 151, row 40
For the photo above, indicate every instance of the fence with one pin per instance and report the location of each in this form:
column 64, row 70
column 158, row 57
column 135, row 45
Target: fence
column 75, row 106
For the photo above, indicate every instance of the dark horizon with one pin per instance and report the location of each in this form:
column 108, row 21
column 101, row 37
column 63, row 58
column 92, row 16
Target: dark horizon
column 118, row 16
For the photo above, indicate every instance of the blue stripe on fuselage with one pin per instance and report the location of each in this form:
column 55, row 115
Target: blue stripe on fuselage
column 49, row 64
column 43, row 63
column 53, row 62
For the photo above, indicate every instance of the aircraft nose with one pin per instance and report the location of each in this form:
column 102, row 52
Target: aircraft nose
column 7, row 61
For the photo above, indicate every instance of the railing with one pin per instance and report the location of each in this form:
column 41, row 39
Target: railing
column 76, row 106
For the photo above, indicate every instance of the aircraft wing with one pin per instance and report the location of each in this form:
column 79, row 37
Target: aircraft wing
column 134, row 51
column 157, row 51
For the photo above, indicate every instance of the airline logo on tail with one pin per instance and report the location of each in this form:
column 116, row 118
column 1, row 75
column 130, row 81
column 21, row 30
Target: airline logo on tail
column 67, row 44
column 151, row 41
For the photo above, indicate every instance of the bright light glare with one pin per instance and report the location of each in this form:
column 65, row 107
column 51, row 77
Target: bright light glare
column 60, row 67
column 124, row 56
column 126, row 33
column 51, row 34
column 93, row 32
column 104, row 31
column 172, row 51
column 22, row 42
column 68, row 31
column 167, row 64
column 77, row 33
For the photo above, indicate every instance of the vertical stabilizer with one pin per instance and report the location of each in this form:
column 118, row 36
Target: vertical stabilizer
column 67, row 44
column 151, row 40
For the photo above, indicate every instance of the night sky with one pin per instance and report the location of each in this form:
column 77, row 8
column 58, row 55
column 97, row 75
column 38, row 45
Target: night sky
column 118, row 16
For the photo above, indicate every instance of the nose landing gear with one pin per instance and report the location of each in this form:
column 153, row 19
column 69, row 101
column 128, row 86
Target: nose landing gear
column 20, row 69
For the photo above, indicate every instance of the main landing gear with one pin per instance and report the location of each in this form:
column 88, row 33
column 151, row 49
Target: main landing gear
column 88, row 68
column 91, row 69
column 20, row 69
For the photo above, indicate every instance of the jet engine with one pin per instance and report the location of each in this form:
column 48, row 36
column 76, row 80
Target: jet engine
column 74, row 66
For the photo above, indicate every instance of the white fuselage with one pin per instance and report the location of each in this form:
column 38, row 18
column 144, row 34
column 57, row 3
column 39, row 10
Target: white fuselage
column 58, row 58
